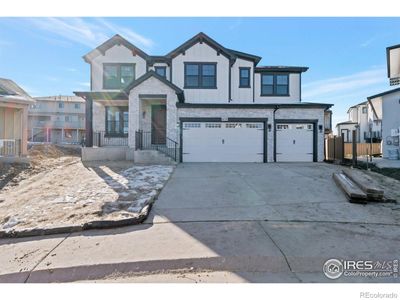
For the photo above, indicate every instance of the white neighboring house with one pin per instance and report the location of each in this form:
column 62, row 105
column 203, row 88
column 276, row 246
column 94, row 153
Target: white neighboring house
column 57, row 119
column 201, row 102
column 360, row 116
column 385, row 107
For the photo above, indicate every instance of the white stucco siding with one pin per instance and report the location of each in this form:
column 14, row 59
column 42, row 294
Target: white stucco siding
column 137, row 106
column 202, row 53
column 390, row 120
column 261, row 113
column 116, row 54
column 294, row 91
column 241, row 95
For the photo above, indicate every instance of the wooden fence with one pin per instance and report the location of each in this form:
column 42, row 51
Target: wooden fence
column 363, row 149
column 336, row 150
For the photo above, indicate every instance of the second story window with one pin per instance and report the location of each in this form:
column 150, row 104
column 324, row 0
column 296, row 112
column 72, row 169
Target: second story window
column 200, row 75
column 364, row 110
column 162, row 71
column 118, row 76
column 77, row 105
column 274, row 85
column 60, row 104
column 244, row 77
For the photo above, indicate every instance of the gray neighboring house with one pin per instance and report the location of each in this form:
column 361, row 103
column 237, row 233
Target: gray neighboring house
column 385, row 108
column 201, row 102
column 57, row 120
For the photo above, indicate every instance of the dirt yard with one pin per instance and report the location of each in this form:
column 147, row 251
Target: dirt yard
column 57, row 189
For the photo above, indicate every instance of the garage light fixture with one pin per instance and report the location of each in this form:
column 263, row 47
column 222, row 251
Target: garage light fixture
column 320, row 128
column 269, row 127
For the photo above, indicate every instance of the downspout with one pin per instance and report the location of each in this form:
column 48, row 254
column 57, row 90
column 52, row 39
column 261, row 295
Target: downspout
column 274, row 130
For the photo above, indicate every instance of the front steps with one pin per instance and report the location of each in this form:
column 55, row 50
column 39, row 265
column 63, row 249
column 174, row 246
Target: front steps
column 152, row 157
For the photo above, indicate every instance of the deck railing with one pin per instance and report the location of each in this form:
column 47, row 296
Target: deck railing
column 148, row 141
column 10, row 147
column 102, row 139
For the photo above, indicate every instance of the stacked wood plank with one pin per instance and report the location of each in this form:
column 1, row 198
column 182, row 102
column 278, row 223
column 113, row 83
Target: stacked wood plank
column 352, row 191
column 359, row 187
column 373, row 192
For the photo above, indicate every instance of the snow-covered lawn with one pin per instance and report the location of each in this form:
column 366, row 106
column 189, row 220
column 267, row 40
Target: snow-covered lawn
column 73, row 194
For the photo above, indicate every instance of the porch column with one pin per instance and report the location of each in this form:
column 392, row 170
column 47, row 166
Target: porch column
column 77, row 135
column 24, row 133
column 62, row 135
column 47, row 134
column 89, row 121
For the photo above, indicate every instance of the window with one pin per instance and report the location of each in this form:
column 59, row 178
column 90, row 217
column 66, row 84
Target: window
column 117, row 120
column 213, row 125
column 162, row 71
column 118, row 76
column 77, row 105
column 274, row 85
column 67, row 119
column 201, row 75
column 364, row 110
column 192, row 125
column 60, row 104
column 244, row 77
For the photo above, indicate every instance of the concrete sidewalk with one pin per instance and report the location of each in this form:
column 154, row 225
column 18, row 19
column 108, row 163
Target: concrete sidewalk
column 243, row 220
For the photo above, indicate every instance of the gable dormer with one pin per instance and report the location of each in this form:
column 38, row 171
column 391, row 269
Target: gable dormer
column 115, row 64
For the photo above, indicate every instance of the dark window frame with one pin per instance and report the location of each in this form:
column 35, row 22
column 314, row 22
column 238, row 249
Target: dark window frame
column 118, row 65
column 274, row 85
column 240, row 77
column 200, row 75
column 120, row 132
column 161, row 68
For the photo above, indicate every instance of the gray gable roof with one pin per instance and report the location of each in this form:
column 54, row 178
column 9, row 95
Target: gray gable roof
column 151, row 73
column 9, row 87
column 115, row 40
column 384, row 93
column 201, row 37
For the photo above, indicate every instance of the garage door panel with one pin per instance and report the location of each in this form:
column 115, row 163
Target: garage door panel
column 294, row 142
column 223, row 142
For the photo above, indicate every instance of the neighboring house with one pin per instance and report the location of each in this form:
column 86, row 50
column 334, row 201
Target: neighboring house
column 14, row 103
column 208, row 102
column 57, row 119
column 385, row 110
column 359, row 117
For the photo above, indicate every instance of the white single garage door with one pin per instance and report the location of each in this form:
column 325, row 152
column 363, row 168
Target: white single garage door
column 294, row 142
column 222, row 142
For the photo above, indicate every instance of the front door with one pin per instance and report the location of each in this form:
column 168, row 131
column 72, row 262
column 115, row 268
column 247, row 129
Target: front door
column 158, row 124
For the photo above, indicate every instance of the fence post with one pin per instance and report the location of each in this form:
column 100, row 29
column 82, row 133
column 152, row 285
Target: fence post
column 342, row 158
column 354, row 137
column 334, row 147
column 99, row 139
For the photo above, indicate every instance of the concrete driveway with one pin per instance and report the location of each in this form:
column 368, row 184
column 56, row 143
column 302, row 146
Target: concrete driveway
column 222, row 223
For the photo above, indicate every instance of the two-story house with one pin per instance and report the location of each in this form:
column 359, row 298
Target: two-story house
column 201, row 102
column 57, row 119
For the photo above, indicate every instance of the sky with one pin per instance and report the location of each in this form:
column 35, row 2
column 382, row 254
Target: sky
column 346, row 56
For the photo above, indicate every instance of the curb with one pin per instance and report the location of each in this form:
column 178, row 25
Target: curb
column 102, row 224
column 99, row 271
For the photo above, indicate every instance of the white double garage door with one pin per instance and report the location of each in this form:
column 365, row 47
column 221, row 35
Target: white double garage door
column 244, row 142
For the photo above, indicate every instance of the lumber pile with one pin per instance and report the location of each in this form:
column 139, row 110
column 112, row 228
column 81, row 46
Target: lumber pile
column 359, row 187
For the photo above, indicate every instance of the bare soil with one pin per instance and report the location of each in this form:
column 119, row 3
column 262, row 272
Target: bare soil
column 57, row 189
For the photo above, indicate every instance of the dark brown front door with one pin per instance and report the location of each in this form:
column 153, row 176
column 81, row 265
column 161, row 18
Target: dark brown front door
column 158, row 124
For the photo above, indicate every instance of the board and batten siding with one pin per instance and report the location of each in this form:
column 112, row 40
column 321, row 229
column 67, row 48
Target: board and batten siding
column 202, row 53
column 241, row 95
column 390, row 119
column 294, row 90
column 116, row 54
